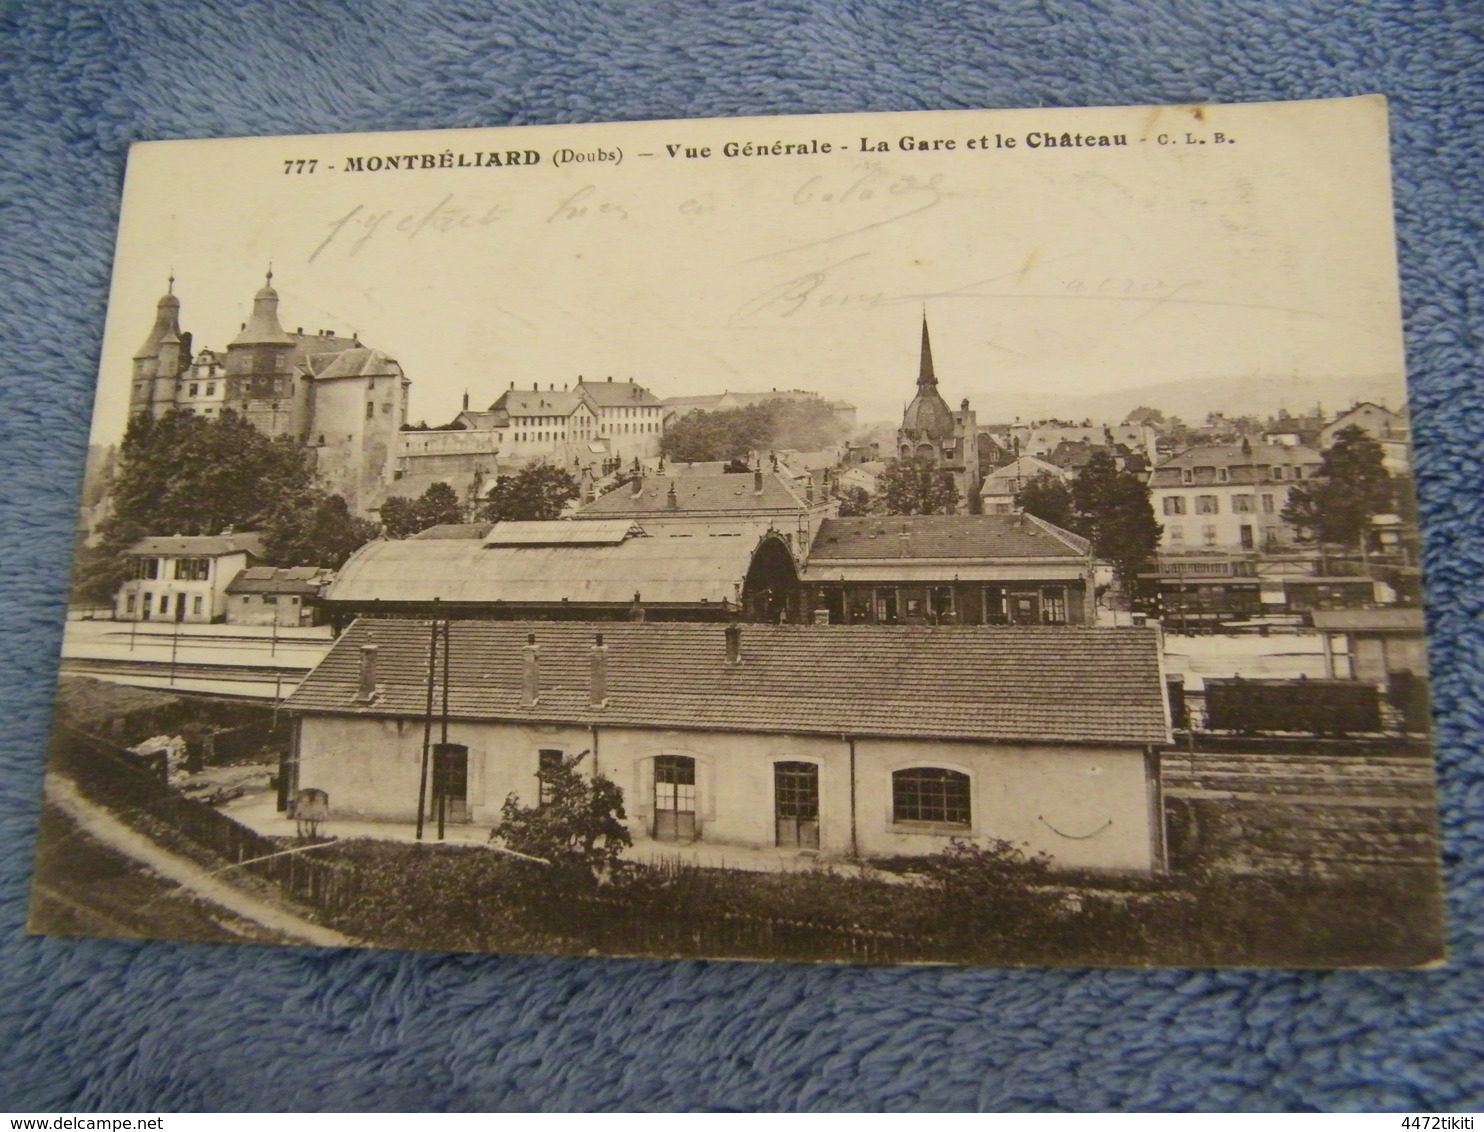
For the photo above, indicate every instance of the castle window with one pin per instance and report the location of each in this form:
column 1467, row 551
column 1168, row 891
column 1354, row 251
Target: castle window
column 211, row 389
column 195, row 389
column 370, row 410
column 1206, row 505
column 1174, row 505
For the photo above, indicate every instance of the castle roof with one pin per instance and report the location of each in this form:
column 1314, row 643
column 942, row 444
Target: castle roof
column 200, row 546
column 263, row 328
column 166, row 327
column 358, row 361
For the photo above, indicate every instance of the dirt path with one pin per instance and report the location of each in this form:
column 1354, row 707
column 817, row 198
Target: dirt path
column 106, row 828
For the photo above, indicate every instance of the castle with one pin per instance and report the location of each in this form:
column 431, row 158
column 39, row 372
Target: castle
column 343, row 400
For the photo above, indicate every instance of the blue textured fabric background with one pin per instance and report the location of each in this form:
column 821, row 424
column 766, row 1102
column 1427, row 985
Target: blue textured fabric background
column 102, row 1025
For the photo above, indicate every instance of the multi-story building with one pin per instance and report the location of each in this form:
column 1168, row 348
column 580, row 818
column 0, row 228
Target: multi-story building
column 335, row 395
column 184, row 578
column 1229, row 496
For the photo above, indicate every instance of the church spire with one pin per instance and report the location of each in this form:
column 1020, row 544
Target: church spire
column 925, row 375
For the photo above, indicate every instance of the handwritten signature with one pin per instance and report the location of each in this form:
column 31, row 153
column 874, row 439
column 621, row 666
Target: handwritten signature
column 360, row 225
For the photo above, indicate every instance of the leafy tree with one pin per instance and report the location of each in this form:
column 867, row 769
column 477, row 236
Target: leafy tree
column 314, row 528
column 189, row 475
column 402, row 517
column 1048, row 497
column 915, row 485
column 1112, row 509
column 1145, row 415
column 1352, row 485
column 578, row 828
column 539, row 492
column 854, row 501
column 731, row 434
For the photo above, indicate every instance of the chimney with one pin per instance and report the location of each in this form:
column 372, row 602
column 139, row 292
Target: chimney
column 809, row 490
column 530, row 683
column 367, row 692
column 598, row 692
column 757, row 482
column 636, row 611
column 734, row 644
column 670, row 500
column 638, row 486
column 535, row 387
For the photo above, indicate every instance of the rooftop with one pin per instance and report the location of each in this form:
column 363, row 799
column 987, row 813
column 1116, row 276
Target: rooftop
column 278, row 580
column 1231, row 455
column 612, row 394
column 687, row 566
column 734, row 493
column 201, row 546
column 943, row 536
column 1025, row 683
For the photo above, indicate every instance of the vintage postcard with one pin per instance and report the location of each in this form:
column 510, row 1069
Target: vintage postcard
column 968, row 537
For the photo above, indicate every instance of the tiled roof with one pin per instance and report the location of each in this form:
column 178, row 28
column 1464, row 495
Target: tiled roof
column 735, row 493
column 277, row 580
column 1229, row 455
column 942, row 536
column 360, row 361
column 614, row 394
column 201, row 546
column 538, row 402
column 1024, row 468
column 1036, row 684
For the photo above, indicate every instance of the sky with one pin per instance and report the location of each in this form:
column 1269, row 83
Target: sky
column 1219, row 242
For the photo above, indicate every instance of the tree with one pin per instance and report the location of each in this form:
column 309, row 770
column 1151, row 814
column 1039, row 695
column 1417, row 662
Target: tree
column 854, row 501
column 402, row 517
column 539, row 492
column 189, row 475
column 1047, row 497
column 1112, row 509
column 915, row 485
column 314, row 528
column 729, row 434
column 577, row 826
column 1352, row 485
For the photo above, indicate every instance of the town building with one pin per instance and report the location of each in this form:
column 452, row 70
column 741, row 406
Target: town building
column 612, row 569
column 276, row 595
column 1229, row 496
column 1003, row 484
column 760, row 502
column 849, row 741
column 930, row 428
column 1393, row 430
column 1043, row 438
column 184, row 578
column 343, row 400
column 949, row 569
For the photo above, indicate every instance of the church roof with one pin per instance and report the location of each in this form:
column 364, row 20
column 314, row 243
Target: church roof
column 928, row 415
column 1026, row 683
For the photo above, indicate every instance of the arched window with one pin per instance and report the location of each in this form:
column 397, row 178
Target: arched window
column 930, row 794
column 674, row 798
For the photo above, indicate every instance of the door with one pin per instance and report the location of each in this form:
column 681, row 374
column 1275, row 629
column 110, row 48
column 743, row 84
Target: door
column 674, row 798
column 450, row 781
column 796, row 804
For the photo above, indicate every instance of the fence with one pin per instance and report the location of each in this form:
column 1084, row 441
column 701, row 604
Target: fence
column 618, row 927
column 114, row 778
